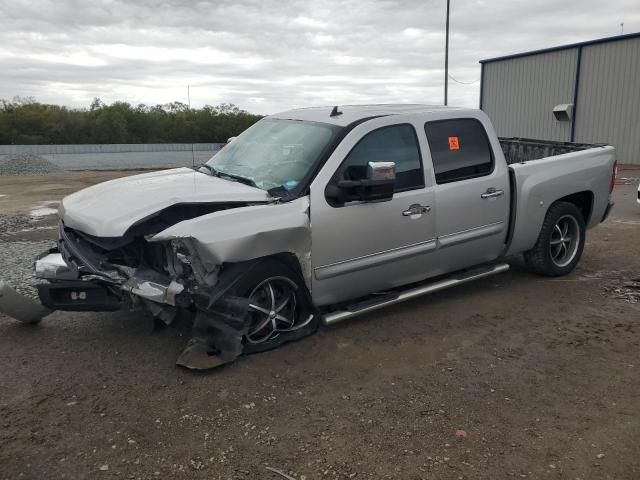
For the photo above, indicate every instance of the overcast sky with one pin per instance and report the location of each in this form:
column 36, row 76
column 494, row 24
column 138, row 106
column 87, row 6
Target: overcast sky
column 271, row 55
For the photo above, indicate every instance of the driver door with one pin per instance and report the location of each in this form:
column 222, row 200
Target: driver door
column 364, row 247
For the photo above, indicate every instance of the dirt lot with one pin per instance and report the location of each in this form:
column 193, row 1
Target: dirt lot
column 512, row 377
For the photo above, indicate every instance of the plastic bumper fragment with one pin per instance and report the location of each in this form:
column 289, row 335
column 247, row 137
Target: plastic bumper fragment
column 23, row 309
column 217, row 335
column 152, row 286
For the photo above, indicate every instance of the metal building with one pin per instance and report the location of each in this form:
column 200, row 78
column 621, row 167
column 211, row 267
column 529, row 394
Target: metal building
column 585, row 92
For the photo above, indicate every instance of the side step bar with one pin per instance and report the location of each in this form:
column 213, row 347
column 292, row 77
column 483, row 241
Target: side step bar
column 396, row 297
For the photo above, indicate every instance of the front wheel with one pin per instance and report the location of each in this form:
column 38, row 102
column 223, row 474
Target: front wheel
column 280, row 310
column 560, row 243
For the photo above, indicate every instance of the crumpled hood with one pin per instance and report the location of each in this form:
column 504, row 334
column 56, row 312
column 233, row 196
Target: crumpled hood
column 109, row 209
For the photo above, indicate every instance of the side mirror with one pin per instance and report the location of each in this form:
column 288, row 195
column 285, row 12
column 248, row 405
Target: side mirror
column 378, row 186
column 381, row 171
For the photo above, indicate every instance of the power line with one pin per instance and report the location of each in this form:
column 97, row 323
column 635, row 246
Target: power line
column 463, row 83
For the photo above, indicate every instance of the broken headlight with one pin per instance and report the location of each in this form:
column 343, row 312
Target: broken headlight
column 181, row 251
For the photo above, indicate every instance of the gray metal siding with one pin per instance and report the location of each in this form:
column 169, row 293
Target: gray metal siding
column 519, row 94
column 609, row 98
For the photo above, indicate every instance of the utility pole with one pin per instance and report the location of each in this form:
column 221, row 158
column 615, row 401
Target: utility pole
column 446, row 60
column 193, row 154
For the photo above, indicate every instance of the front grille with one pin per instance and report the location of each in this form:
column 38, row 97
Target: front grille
column 104, row 255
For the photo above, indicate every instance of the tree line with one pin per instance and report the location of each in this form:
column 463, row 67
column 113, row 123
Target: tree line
column 24, row 121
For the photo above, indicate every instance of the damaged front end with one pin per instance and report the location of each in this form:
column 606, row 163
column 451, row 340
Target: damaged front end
column 85, row 273
column 90, row 274
column 160, row 268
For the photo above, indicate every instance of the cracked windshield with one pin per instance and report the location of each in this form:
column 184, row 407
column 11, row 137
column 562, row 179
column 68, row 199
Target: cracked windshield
column 273, row 153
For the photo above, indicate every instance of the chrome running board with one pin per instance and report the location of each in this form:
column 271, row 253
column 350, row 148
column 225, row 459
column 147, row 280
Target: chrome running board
column 392, row 298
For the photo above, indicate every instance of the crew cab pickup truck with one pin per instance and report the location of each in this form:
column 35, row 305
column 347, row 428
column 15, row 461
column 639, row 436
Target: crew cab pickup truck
column 317, row 215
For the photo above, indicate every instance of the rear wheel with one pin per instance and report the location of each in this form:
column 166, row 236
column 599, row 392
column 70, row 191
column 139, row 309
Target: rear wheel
column 560, row 243
column 279, row 307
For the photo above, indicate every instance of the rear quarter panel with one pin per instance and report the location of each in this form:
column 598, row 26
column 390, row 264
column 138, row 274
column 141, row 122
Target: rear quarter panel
column 541, row 182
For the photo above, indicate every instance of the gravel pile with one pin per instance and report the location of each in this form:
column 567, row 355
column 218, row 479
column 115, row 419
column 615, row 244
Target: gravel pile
column 17, row 266
column 26, row 164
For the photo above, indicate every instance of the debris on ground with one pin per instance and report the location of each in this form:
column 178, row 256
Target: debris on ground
column 628, row 291
column 27, row 164
column 278, row 472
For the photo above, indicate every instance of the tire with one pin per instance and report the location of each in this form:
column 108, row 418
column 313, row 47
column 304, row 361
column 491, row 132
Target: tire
column 274, row 320
column 560, row 243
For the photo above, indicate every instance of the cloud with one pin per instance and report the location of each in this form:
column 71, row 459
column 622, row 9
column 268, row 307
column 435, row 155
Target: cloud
column 268, row 55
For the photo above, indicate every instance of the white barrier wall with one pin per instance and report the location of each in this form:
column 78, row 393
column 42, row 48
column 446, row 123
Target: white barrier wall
column 107, row 148
column 118, row 156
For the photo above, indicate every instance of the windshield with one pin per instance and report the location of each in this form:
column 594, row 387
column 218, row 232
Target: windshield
column 274, row 153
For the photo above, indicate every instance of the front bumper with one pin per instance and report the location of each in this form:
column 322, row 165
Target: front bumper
column 69, row 289
column 79, row 296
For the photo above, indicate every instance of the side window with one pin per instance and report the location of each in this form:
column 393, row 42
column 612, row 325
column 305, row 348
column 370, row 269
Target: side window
column 396, row 143
column 459, row 148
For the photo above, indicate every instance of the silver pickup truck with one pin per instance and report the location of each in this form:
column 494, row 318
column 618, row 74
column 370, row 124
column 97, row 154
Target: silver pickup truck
column 318, row 215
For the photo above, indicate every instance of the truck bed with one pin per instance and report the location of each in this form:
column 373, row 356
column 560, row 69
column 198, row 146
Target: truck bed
column 543, row 172
column 517, row 150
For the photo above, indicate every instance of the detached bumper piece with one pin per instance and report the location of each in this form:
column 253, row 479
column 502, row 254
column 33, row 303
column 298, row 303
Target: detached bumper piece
column 217, row 335
column 23, row 309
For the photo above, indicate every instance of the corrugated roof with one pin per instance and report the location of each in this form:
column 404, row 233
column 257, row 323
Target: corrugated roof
column 563, row 47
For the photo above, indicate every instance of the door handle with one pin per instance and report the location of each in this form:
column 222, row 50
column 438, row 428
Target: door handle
column 416, row 209
column 491, row 193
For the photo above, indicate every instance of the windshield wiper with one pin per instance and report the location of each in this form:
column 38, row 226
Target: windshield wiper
column 230, row 176
column 213, row 171
column 238, row 178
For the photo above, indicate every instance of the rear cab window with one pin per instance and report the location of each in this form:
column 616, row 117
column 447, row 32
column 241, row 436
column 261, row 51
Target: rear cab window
column 460, row 149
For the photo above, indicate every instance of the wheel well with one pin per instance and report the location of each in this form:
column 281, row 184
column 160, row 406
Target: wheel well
column 290, row 260
column 582, row 200
column 293, row 262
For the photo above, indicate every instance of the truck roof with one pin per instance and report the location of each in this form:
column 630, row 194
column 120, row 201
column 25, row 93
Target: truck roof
column 353, row 113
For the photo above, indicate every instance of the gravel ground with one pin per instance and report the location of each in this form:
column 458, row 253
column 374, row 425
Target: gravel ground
column 18, row 250
column 11, row 224
column 515, row 376
column 27, row 164
column 17, row 267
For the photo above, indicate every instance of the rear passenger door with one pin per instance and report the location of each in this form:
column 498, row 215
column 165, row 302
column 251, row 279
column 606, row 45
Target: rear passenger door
column 472, row 193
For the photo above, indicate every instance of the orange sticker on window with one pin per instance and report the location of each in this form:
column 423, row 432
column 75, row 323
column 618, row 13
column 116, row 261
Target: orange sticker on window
column 453, row 143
